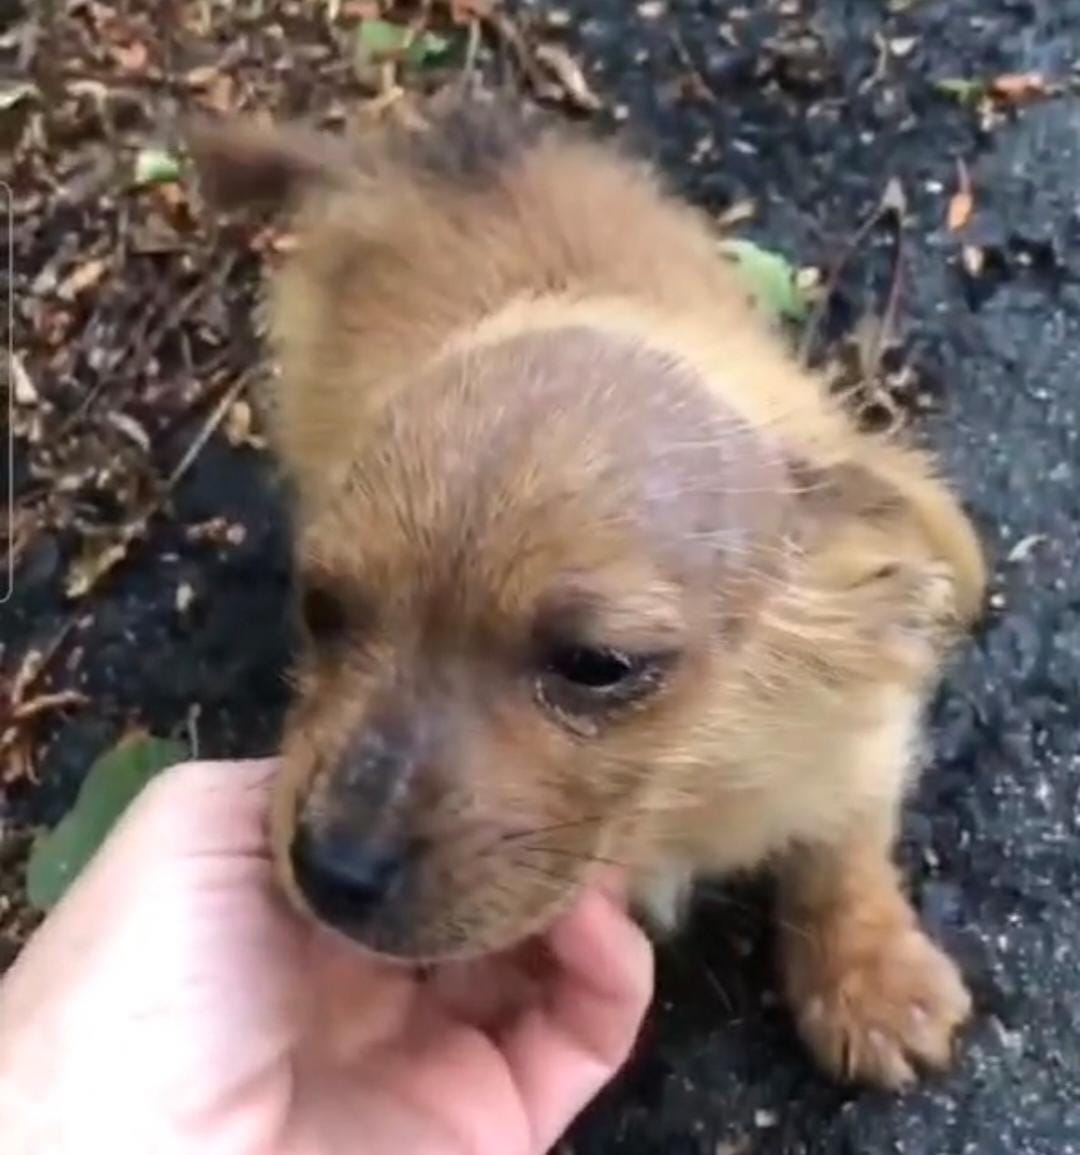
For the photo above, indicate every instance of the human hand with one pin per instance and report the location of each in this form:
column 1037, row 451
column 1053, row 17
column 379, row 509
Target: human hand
column 173, row 1004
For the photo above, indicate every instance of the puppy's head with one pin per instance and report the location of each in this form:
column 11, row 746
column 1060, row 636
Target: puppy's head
column 515, row 605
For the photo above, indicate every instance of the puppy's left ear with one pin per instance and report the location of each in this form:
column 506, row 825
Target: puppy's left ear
column 882, row 518
column 245, row 163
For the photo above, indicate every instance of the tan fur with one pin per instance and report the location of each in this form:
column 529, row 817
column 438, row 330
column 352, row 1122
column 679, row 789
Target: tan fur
column 502, row 383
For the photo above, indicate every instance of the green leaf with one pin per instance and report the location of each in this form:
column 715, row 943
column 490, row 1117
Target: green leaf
column 378, row 41
column 112, row 783
column 770, row 277
column 965, row 91
column 154, row 166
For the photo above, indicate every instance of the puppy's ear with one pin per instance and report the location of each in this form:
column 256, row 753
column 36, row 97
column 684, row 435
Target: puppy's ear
column 885, row 521
column 244, row 163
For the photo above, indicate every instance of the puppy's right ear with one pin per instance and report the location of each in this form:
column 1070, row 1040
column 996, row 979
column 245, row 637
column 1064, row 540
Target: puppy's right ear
column 244, row 163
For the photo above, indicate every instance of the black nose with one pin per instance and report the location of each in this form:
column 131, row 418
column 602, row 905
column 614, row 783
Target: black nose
column 344, row 879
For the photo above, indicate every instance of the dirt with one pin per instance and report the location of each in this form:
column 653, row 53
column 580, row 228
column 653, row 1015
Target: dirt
column 791, row 122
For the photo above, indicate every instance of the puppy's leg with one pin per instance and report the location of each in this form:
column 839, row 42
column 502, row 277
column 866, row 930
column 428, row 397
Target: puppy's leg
column 874, row 998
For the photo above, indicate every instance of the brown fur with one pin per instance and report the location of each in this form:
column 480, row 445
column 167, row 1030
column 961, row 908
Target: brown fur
column 523, row 396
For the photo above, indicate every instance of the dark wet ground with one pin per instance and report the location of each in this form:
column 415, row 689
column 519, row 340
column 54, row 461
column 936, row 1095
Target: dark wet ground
column 809, row 117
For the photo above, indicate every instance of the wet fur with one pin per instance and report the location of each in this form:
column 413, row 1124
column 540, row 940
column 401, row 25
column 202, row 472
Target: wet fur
column 434, row 267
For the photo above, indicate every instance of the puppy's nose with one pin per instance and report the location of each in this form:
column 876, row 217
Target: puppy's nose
column 344, row 879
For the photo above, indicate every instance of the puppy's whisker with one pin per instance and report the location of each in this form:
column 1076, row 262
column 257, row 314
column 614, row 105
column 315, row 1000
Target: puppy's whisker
column 561, row 880
column 559, row 852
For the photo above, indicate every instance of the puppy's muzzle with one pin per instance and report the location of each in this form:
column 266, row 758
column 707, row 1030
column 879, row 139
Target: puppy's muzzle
column 351, row 852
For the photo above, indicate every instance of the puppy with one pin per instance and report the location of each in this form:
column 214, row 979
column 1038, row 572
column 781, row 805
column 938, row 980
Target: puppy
column 590, row 572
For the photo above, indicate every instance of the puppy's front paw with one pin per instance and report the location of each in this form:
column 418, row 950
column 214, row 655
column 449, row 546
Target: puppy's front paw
column 874, row 1002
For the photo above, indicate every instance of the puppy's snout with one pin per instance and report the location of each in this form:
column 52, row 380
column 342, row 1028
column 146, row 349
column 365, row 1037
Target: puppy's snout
column 345, row 878
column 351, row 845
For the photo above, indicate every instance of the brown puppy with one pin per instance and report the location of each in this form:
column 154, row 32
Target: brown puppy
column 591, row 572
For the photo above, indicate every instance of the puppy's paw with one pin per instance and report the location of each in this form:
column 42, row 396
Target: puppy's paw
column 874, row 1003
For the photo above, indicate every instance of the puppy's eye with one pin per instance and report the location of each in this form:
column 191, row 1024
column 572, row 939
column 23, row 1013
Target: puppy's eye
column 584, row 683
column 592, row 669
column 323, row 612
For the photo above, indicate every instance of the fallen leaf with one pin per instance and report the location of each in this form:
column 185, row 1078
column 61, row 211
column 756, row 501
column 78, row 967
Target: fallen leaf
column 771, row 278
column 962, row 202
column 465, row 11
column 973, row 259
column 894, row 198
column 131, row 58
column 1019, row 86
column 82, row 277
column 22, row 387
column 380, row 41
column 737, row 214
column 15, row 95
column 808, row 280
column 185, row 595
column 220, row 94
column 112, row 783
column 171, row 196
column 155, row 166
column 1025, row 547
column 239, row 426
column 131, row 429
column 353, row 10
column 966, row 91
column 566, row 70
column 202, row 76
column 89, row 569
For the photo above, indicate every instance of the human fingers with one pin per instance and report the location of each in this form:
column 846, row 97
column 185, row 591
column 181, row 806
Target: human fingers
column 564, row 1048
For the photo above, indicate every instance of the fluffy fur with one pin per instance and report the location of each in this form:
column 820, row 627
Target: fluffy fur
column 529, row 412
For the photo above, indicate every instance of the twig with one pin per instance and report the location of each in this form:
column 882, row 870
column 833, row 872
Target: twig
column 199, row 441
column 472, row 48
column 886, row 206
column 46, row 702
column 704, row 89
column 892, row 302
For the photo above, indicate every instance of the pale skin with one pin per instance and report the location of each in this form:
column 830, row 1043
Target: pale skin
column 173, row 1003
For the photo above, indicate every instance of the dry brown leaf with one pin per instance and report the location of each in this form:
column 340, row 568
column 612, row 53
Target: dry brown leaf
column 569, row 75
column 83, row 277
column 202, row 76
column 23, row 388
column 737, row 214
column 171, row 195
column 92, row 567
column 962, row 202
column 961, row 206
column 44, row 703
column 131, row 429
column 132, row 59
column 359, row 10
column 1019, row 86
column 465, row 11
column 239, row 426
column 220, row 94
